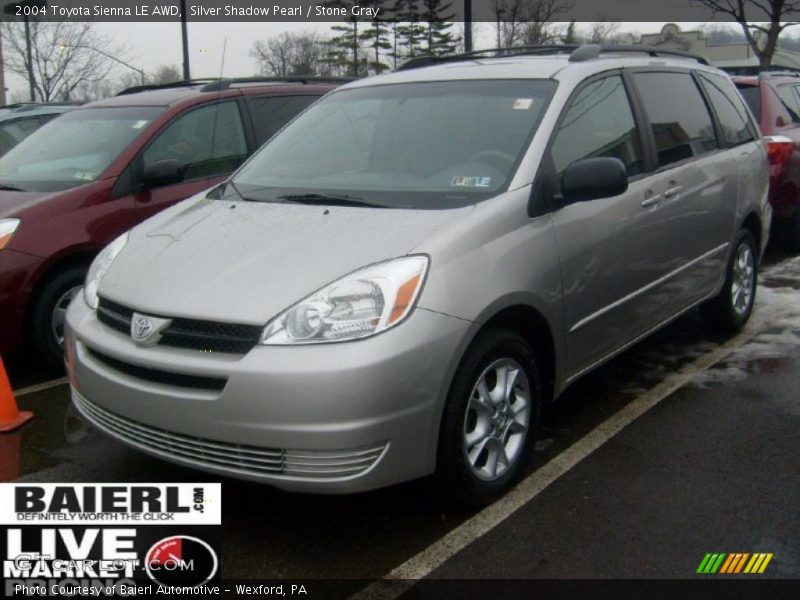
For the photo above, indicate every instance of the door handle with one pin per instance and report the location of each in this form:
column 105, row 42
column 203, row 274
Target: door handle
column 673, row 191
column 651, row 200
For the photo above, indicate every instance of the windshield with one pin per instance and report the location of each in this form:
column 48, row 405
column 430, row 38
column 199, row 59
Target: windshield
column 74, row 148
column 422, row 145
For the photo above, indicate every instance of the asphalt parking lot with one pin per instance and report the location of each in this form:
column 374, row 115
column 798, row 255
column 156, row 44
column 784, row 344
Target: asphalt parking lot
column 684, row 445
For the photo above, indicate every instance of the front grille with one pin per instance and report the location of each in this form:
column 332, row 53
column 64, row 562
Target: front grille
column 192, row 334
column 249, row 460
column 157, row 376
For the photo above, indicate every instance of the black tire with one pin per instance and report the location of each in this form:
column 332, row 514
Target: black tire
column 720, row 312
column 42, row 338
column 454, row 472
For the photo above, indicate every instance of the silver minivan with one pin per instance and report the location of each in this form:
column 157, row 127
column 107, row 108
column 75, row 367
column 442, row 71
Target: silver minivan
column 398, row 281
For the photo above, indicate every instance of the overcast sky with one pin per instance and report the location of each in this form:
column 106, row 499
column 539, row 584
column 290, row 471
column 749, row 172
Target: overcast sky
column 153, row 44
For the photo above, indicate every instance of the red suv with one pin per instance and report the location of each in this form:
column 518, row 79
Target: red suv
column 84, row 178
column 774, row 99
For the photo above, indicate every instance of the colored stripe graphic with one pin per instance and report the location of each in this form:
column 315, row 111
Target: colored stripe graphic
column 734, row 563
column 711, row 563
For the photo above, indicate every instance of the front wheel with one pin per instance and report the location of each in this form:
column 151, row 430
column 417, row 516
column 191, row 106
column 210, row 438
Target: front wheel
column 732, row 307
column 490, row 418
column 48, row 314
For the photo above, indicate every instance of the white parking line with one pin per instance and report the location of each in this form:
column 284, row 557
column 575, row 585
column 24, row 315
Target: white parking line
column 402, row 578
column 40, row 387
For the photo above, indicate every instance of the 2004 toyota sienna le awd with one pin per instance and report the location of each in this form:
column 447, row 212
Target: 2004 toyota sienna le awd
column 397, row 282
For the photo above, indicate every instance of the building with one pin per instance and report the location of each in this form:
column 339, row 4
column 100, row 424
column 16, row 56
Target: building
column 736, row 58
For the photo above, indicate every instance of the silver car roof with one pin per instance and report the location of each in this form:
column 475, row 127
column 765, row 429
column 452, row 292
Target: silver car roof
column 526, row 67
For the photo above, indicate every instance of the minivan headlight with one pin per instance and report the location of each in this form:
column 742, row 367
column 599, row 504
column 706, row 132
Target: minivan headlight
column 358, row 305
column 99, row 268
column 8, row 227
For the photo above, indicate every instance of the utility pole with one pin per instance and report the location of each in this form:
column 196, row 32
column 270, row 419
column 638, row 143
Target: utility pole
column 2, row 75
column 467, row 25
column 187, row 75
column 29, row 59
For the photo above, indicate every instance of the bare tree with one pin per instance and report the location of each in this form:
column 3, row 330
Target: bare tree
column 603, row 32
column 758, row 19
column 304, row 53
column 165, row 74
column 528, row 22
column 64, row 55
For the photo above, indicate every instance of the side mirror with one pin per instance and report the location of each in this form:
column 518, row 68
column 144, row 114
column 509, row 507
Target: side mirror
column 162, row 172
column 593, row 178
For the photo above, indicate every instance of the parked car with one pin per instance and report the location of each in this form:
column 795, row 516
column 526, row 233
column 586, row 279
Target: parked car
column 398, row 281
column 77, row 183
column 19, row 121
column 774, row 99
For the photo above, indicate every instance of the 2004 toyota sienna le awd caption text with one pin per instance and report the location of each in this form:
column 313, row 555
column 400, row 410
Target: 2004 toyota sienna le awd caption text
column 396, row 283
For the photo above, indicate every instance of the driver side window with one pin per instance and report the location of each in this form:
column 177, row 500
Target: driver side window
column 599, row 123
column 189, row 139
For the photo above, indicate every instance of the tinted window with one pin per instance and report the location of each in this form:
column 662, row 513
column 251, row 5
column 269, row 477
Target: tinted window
column 270, row 113
column 599, row 122
column 680, row 120
column 789, row 100
column 751, row 95
column 74, row 148
column 189, row 139
column 13, row 132
column 729, row 109
column 428, row 145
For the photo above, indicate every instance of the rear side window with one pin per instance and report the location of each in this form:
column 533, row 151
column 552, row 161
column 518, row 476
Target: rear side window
column 599, row 122
column 790, row 101
column 751, row 95
column 271, row 113
column 729, row 109
column 679, row 117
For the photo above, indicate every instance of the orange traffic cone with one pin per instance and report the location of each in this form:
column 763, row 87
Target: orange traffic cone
column 10, row 415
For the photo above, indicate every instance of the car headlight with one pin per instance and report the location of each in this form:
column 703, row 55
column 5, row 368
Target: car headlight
column 363, row 303
column 8, row 227
column 99, row 268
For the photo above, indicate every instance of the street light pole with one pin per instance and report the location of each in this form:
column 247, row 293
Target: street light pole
column 141, row 72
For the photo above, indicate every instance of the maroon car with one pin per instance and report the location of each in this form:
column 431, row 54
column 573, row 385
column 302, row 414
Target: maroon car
column 774, row 99
column 80, row 181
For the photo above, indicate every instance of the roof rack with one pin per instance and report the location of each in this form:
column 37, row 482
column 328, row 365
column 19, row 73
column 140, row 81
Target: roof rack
column 577, row 53
column 224, row 84
column 775, row 71
column 216, row 85
column 164, row 86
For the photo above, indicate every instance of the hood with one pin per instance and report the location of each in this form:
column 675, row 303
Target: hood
column 13, row 203
column 245, row 262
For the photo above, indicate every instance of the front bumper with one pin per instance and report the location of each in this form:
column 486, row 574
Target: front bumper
column 330, row 418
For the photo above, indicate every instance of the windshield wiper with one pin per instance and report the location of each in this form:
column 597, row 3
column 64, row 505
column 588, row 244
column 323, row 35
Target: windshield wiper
column 10, row 188
column 329, row 199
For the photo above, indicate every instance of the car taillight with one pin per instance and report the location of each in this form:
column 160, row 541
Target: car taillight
column 779, row 151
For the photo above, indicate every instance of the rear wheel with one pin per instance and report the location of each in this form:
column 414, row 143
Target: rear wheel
column 732, row 307
column 490, row 418
column 48, row 314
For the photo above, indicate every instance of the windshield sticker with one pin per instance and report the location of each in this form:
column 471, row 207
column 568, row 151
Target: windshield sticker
column 523, row 103
column 88, row 175
column 466, row 181
column 139, row 124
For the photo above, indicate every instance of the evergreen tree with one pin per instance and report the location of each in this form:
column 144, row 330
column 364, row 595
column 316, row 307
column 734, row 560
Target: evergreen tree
column 410, row 32
column 376, row 37
column 439, row 38
column 571, row 36
column 345, row 46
